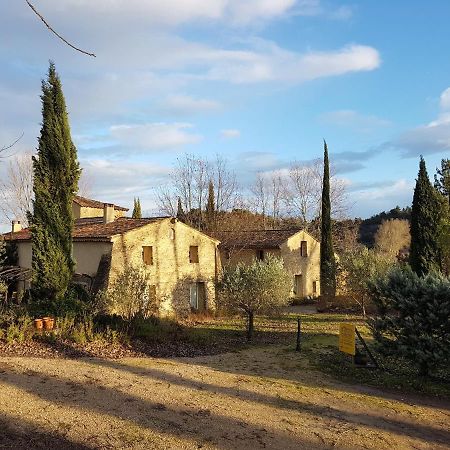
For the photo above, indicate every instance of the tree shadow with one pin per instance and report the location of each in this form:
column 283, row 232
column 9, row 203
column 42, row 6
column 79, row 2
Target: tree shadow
column 26, row 436
column 373, row 421
column 194, row 424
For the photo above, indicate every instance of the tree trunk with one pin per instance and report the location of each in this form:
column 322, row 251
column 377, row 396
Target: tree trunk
column 250, row 326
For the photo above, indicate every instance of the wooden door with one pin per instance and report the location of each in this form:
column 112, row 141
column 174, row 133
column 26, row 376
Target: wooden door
column 298, row 286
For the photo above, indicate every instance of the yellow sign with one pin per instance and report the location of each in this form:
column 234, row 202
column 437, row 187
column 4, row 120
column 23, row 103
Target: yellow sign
column 347, row 338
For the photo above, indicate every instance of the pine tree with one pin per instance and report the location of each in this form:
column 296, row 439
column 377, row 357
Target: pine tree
column 56, row 175
column 425, row 225
column 210, row 208
column 442, row 179
column 327, row 260
column 180, row 212
column 137, row 212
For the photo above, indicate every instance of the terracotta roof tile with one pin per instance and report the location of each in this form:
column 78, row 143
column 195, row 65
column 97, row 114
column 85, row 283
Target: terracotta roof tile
column 253, row 238
column 93, row 231
column 88, row 203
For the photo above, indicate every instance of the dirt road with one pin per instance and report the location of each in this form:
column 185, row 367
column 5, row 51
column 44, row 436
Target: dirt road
column 259, row 398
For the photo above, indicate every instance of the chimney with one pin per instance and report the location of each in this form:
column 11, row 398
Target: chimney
column 108, row 212
column 16, row 226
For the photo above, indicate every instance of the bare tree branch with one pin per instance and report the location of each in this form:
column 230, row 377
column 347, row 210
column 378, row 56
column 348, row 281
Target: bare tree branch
column 13, row 144
column 55, row 33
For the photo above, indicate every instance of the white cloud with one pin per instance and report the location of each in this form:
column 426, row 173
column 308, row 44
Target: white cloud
column 120, row 182
column 383, row 198
column 230, row 133
column 433, row 137
column 445, row 100
column 268, row 62
column 154, row 136
column 354, row 119
column 186, row 105
column 178, row 12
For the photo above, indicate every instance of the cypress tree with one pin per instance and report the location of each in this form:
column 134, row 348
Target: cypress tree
column 425, row 225
column 442, row 179
column 180, row 212
column 56, row 174
column 137, row 212
column 327, row 260
column 210, row 207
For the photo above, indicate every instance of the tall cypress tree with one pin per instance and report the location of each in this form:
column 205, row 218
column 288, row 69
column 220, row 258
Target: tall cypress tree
column 137, row 212
column 180, row 212
column 425, row 225
column 56, row 174
column 327, row 260
column 442, row 179
column 210, row 208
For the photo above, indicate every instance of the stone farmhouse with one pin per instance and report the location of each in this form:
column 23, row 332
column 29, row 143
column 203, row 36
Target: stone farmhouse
column 183, row 262
column 298, row 249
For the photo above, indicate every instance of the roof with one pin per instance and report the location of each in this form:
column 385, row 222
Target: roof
column 88, row 203
column 93, row 230
column 257, row 239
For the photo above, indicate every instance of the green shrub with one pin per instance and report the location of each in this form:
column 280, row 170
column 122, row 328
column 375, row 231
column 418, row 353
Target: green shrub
column 128, row 295
column 355, row 270
column 17, row 330
column 413, row 317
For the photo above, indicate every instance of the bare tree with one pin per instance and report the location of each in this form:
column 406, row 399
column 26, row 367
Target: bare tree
column 303, row 190
column 16, row 193
column 189, row 182
column 392, row 236
column 225, row 184
column 268, row 190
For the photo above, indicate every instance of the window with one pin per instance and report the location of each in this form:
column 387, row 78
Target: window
column 193, row 254
column 172, row 234
column 304, row 249
column 260, row 255
column 314, row 287
column 147, row 255
column 227, row 254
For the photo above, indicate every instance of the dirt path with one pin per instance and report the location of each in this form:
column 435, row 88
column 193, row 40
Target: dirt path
column 260, row 398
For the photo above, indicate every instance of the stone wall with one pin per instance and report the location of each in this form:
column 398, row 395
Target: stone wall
column 295, row 264
column 171, row 271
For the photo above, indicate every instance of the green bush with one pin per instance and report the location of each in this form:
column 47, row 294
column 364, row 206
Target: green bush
column 355, row 270
column 260, row 287
column 19, row 329
column 412, row 317
column 128, row 295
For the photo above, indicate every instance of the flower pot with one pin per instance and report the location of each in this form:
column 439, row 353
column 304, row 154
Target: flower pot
column 48, row 323
column 38, row 324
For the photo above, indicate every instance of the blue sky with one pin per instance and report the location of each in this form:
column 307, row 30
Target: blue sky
column 261, row 82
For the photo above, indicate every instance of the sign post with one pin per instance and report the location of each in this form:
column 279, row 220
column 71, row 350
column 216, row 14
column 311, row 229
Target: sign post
column 347, row 342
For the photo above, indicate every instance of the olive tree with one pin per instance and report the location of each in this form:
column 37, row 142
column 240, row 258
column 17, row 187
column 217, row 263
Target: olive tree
column 261, row 287
column 129, row 294
column 356, row 268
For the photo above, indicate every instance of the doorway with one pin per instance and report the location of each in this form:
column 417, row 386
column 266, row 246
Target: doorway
column 298, row 286
column 198, row 296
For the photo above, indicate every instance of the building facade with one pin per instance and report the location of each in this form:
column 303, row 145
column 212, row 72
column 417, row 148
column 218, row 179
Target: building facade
column 299, row 250
column 183, row 263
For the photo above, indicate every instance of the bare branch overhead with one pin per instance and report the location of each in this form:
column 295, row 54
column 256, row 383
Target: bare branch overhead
column 57, row 34
column 2, row 149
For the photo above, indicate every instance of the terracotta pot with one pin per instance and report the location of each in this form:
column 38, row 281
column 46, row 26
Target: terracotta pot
column 48, row 323
column 38, row 324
